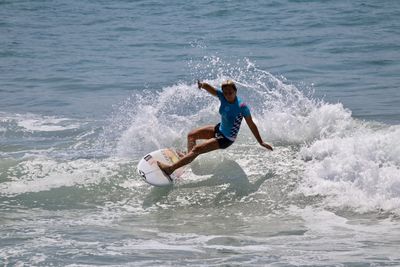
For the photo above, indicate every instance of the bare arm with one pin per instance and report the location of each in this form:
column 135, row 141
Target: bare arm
column 256, row 133
column 207, row 87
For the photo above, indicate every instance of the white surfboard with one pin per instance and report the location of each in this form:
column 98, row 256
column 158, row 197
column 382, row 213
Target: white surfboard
column 151, row 173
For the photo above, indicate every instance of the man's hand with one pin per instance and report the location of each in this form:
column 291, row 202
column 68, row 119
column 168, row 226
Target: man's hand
column 266, row 146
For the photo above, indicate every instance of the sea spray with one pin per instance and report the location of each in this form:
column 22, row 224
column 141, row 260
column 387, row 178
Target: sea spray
column 320, row 135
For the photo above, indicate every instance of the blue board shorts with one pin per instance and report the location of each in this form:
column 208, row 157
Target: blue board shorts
column 223, row 142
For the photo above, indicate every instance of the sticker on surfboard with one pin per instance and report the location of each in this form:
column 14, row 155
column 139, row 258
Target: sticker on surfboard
column 151, row 173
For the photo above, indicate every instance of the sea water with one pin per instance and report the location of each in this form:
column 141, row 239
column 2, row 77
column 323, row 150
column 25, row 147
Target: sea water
column 89, row 87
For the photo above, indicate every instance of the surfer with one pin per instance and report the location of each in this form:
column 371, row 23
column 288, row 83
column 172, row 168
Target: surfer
column 222, row 135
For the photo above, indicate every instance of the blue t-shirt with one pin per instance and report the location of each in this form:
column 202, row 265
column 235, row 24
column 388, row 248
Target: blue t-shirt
column 231, row 115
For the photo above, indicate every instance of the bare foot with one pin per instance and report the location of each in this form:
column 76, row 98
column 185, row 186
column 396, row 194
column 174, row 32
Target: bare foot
column 164, row 168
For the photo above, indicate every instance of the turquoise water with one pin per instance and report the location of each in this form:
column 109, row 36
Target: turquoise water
column 88, row 87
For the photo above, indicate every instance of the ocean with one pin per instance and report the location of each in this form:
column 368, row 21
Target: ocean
column 89, row 87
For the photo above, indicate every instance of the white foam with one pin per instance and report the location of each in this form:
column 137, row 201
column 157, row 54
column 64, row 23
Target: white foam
column 30, row 122
column 43, row 174
column 288, row 114
column 290, row 127
column 151, row 121
column 360, row 171
column 155, row 245
column 46, row 124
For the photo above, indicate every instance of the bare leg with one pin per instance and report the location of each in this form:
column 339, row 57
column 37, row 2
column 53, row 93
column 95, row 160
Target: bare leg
column 209, row 145
column 206, row 132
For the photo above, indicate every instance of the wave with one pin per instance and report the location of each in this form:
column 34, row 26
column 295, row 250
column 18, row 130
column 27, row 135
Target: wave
column 285, row 114
column 352, row 163
column 360, row 171
column 320, row 149
column 30, row 123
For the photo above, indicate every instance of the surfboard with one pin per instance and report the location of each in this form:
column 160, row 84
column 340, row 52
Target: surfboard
column 148, row 169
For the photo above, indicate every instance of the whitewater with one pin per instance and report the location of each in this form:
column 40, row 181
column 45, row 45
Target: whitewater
column 88, row 88
column 328, row 192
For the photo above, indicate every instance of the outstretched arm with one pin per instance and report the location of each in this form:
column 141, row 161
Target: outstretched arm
column 254, row 130
column 207, row 87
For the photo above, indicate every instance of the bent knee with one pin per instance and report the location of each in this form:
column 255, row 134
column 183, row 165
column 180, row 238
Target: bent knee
column 198, row 149
column 204, row 148
column 191, row 135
